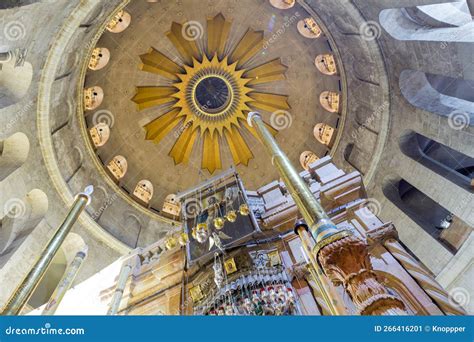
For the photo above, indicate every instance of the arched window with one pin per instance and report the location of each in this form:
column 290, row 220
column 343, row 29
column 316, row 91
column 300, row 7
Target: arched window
column 438, row 94
column 99, row 59
column 118, row 167
column 119, row 22
column 436, row 220
column 93, row 97
column 449, row 163
column 448, row 22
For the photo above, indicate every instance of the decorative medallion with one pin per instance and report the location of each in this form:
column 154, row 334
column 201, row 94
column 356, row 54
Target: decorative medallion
column 210, row 93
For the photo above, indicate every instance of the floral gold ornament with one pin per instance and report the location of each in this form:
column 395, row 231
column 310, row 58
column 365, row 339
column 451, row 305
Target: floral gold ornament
column 210, row 93
column 244, row 209
column 218, row 223
column 231, row 216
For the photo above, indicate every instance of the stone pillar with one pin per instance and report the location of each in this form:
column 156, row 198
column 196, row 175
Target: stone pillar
column 343, row 256
column 65, row 283
column 13, row 153
column 423, row 277
column 120, row 287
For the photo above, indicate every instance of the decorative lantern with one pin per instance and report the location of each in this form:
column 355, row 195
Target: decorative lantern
column 218, row 223
column 231, row 216
column 244, row 209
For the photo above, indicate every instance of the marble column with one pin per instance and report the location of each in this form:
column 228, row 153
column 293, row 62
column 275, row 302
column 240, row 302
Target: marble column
column 65, row 283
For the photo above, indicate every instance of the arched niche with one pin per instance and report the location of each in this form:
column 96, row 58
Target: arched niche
column 330, row 101
column 119, row 22
column 100, row 134
column 143, row 191
column 445, row 161
column 99, row 59
column 433, row 218
column 419, row 90
column 93, row 97
column 326, row 64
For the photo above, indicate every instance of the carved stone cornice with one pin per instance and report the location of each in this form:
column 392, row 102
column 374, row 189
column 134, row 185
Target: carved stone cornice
column 382, row 234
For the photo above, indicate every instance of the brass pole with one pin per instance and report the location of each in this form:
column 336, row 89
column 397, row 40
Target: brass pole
column 24, row 291
column 64, row 284
column 320, row 225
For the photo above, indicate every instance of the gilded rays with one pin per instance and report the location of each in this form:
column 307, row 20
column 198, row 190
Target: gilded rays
column 209, row 94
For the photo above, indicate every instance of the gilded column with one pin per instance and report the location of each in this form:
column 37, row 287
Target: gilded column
column 65, row 283
column 343, row 256
column 24, row 291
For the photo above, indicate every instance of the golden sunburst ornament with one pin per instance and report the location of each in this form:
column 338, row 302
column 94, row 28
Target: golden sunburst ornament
column 211, row 92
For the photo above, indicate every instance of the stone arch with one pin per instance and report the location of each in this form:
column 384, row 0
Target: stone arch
column 447, row 162
column 438, row 22
column 419, row 92
column 432, row 217
column 14, row 82
column 13, row 153
column 19, row 218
